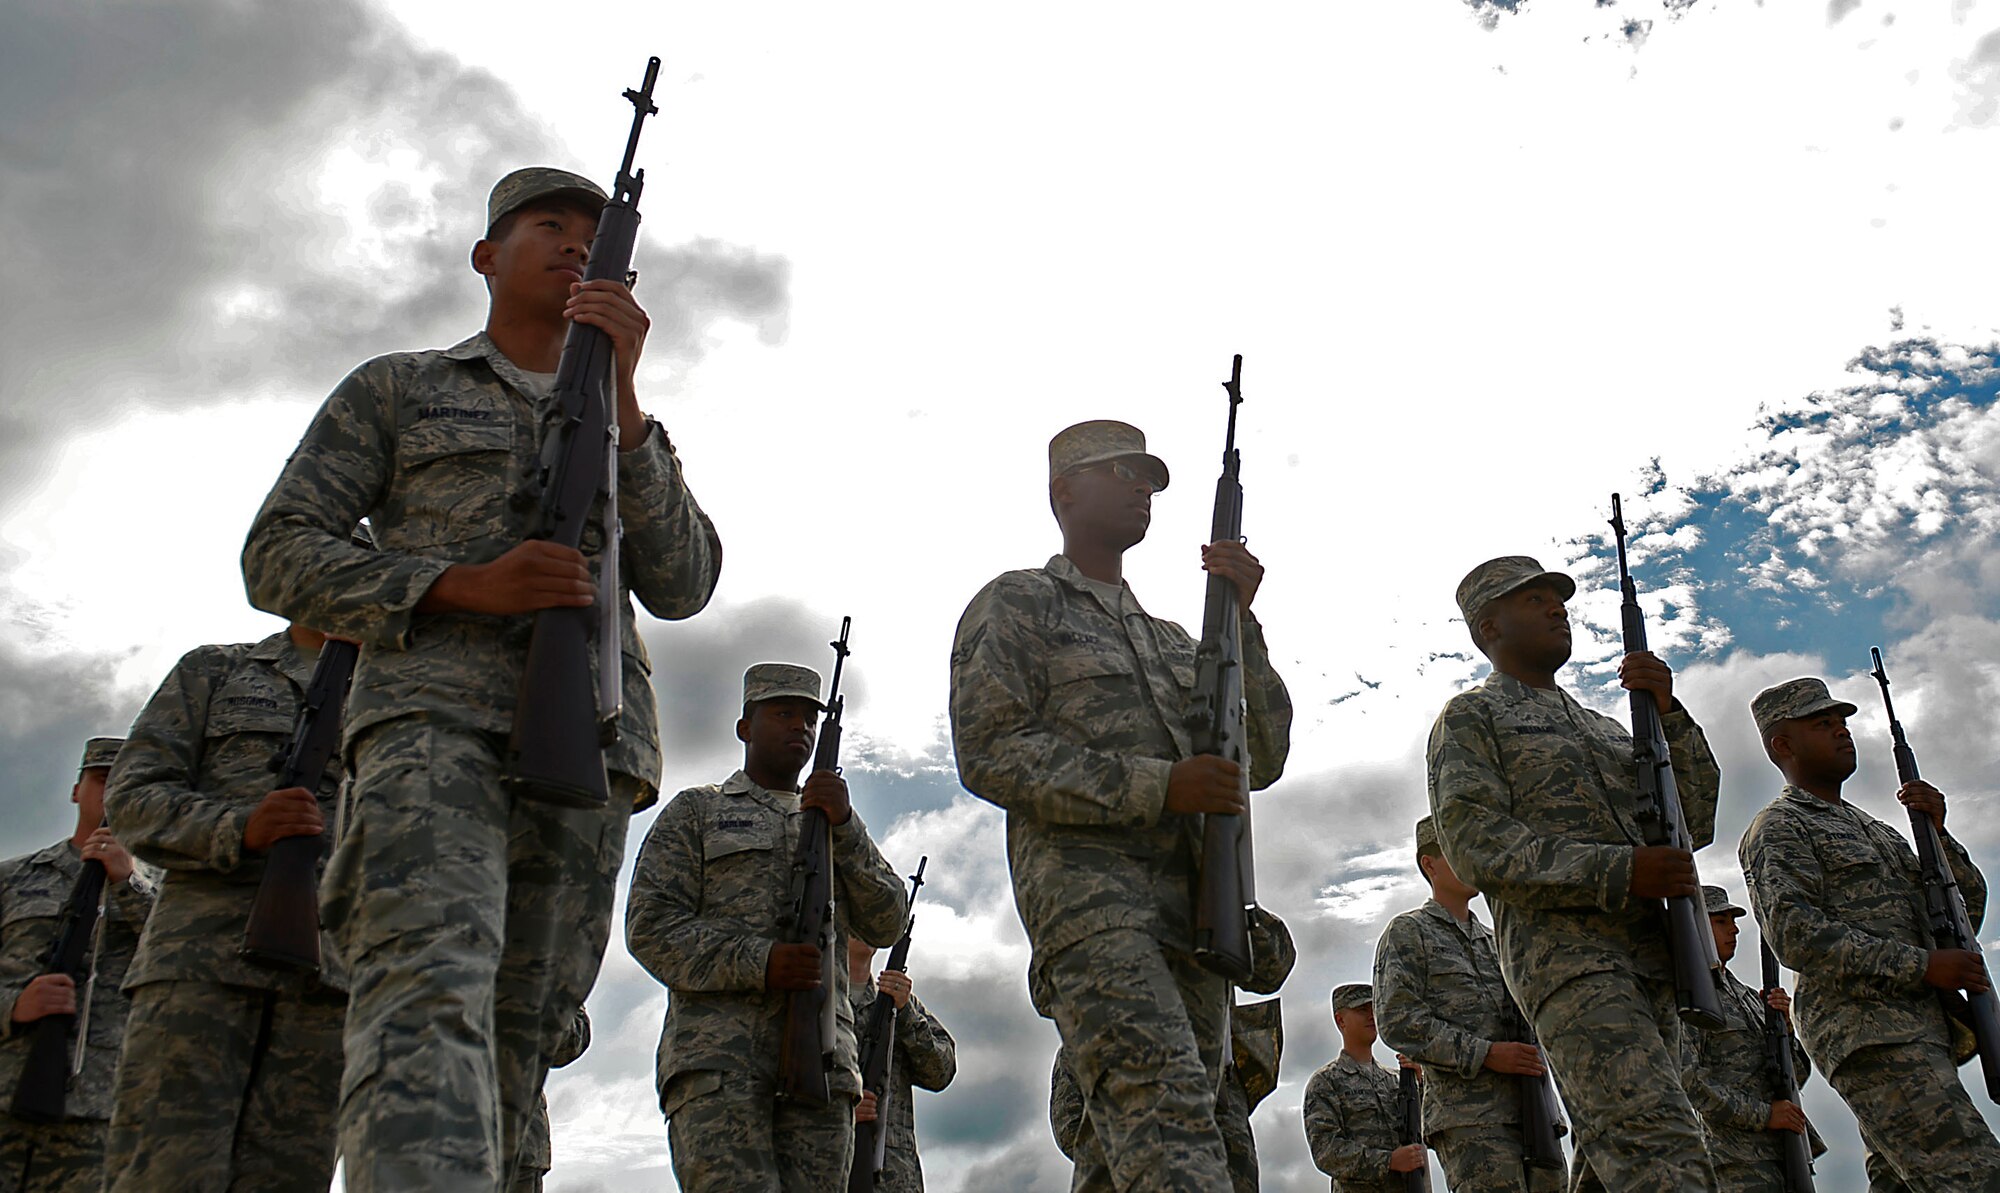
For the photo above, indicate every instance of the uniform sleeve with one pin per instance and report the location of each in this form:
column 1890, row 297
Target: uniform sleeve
column 1333, row 1152
column 925, row 1051
column 298, row 561
column 1697, row 778
column 1783, row 874
column 1971, row 883
column 150, row 797
column 872, row 897
column 1715, row 1100
column 1006, row 755
column 1404, row 1016
column 574, row 1042
column 664, row 928
column 24, row 949
column 671, row 556
column 133, row 898
column 1065, row 1107
column 1497, row 852
column 1272, row 953
column 1269, row 709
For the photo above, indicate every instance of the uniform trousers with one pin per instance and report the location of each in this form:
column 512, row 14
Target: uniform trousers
column 1614, row 1044
column 1232, row 1118
column 52, row 1157
column 1922, row 1131
column 732, row 1133
column 473, row 922
column 1490, row 1159
column 1146, row 1028
column 225, row 1087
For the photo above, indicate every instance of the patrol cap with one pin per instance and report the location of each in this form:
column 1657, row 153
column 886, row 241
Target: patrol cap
column 1497, row 577
column 1077, row 448
column 1792, row 699
column 1427, row 833
column 1352, row 995
column 1716, row 900
column 530, row 183
column 775, row 681
column 100, row 751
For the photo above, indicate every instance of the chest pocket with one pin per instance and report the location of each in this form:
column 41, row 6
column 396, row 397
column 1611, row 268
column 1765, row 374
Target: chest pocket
column 743, row 865
column 455, row 473
column 1850, row 856
column 1087, row 688
column 248, row 724
column 28, row 907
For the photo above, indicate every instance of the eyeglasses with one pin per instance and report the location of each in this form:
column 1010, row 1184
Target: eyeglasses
column 1124, row 472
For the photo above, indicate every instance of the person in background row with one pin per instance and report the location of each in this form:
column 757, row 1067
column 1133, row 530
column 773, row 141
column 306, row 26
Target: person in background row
column 1354, row 1121
column 1728, row 1074
column 1842, row 902
column 1256, row 1043
column 923, row 1056
column 1068, row 711
column 707, row 917
column 231, row 1072
column 1440, row 1000
column 465, row 976
column 537, row 1150
column 66, row 1157
column 1537, row 806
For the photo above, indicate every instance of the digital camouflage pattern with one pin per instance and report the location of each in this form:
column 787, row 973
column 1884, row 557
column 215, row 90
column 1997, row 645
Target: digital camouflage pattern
column 1842, row 901
column 202, row 755
column 710, row 896
column 530, row 183
column 505, row 942
column 1354, row 1122
column 776, row 681
column 226, row 1087
column 537, row 1155
column 733, row 1133
column 1100, row 441
column 1497, row 577
column 1067, row 710
column 1791, row 700
column 1440, row 1000
column 1537, row 806
column 1069, row 715
column 438, row 451
column 1729, row 1077
column 65, row 1157
column 924, row 1057
column 34, row 889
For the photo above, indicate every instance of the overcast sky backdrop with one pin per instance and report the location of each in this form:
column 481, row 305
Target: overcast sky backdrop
column 1487, row 261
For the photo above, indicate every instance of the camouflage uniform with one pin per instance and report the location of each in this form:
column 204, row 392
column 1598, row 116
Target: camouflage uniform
column 537, row 1156
column 1353, row 1115
column 925, row 1056
column 464, row 975
column 1537, row 807
column 231, row 1069
column 709, row 898
column 1841, row 899
column 1067, row 709
column 1440, row 1001
column 1728, row 1076
column 65, row 1157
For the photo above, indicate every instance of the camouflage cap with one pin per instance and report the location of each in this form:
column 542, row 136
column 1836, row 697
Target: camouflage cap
column 1078, row 447
column 100, row 751
column 775, row 681
column 1792, row 699
column 1497, row 577
column 1716, row 900
column 1427, row 833
column 526, row 185
column 1352, row 995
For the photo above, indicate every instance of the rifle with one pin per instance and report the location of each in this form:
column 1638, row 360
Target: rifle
column 1697, row 968
column 805, row 1052
column 283, row 929
column 1944, row 903
column 878, row 1053
column 562, row 723
column 1409, row 1103
column 1215, row 722
column 1797, row 1149
column 1541, row 1114
column 43, row 1091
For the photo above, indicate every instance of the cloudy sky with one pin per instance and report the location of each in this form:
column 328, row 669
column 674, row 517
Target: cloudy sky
column 1487, row 262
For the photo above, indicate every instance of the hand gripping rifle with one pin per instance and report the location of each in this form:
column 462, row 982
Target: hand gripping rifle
column 1944, row 904
column 805, row 1052
column 283, row 930
column 1410, row 1106
column 43, row 1090
column 562, row 722
column 1697, row 968
column 1215, row 721
column 1797, row 1159
column 878, row 1054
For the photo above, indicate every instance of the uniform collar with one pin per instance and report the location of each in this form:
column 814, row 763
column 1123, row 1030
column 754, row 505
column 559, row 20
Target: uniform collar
column 1506, row 685
column 60, row 853
column 1061, row 568
column 286, row 658
column 1814, row 802
column 741, row 783
column 480, row 346
column 1347, row 1062
column 1439, row 911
